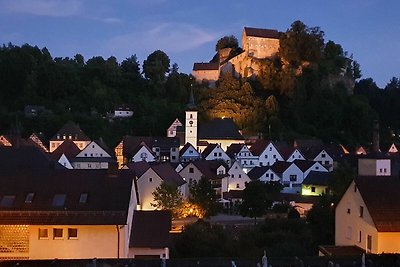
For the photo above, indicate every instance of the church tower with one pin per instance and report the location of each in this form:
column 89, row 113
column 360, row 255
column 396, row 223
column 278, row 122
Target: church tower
column 191, row 121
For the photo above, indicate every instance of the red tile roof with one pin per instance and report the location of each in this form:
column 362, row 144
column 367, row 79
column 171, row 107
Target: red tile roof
column 70, row 129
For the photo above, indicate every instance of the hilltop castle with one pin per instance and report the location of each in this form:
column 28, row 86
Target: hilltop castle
column 257, row 44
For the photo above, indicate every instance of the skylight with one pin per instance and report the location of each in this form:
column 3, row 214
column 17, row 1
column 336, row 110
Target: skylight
column 59, row 200
column 7, row 201
column 29, row 197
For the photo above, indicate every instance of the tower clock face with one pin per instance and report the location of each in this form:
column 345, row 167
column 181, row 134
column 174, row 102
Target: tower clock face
column 190, row 122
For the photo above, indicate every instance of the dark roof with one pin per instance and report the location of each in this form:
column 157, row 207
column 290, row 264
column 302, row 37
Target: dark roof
column 168, row 173
column 150, row 229
column 264, row 33
column 280, row 166
column 186, row 147
column 380, row 195
column 139, row 167
column 304, row 165
column 209, row 168
column 219, row 129
column 308, row 143
column 257, row 172
column 233, row 150
column 70, row 129
column 104, row 146
column 208, row 150
column 287, row 152
column 132, row 143
column 295, row 197
column 259, row 146
column 233, row 194
column 68, row 148
column 206, row 66
column 318, row 178
column 107, row 200
column 341, row 250
column 25, row 157
column 40, row 140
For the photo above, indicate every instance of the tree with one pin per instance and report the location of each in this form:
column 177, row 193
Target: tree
column 156, row 66
column 227, row 42
column 203, row 194
column 167, row 196
column 255, row 202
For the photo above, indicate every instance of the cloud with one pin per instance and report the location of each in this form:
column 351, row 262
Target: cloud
column 169, row 37
column 51, row 8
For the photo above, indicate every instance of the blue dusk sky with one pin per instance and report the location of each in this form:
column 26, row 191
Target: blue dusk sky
column 187, row 30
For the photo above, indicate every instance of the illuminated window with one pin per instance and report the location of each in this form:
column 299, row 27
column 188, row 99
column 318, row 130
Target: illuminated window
column 58, row 200
column 29, row 197
column 57, row 233
column 7, row 201
column 43, row 233
column 72, row 233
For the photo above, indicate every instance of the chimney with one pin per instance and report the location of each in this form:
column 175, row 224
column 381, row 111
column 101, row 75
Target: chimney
column 375, row 137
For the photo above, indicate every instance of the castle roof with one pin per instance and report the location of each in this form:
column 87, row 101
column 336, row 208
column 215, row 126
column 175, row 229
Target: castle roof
column 206, row 66
column 263, row 33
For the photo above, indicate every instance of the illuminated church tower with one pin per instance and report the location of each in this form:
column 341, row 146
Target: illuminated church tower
column 191, row 122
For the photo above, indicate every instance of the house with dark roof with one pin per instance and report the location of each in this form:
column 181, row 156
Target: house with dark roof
column 264, row 174
column 316, row 183
column 69, row 131
column 65, row 153
column 150, row 235
column 212, row 170
column 236, row 180
column 65, row 214
column 242, row 154
column 260, row 43
column 150, row 176
column 219, row 131
column 95, row 155
column 368, row 215
column 267, row 152
column 189, row 153
column 215, row 152
column 206, row 72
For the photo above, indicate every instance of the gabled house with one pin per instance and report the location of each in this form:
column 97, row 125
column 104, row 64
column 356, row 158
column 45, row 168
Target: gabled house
column 215, row 152
column 123, row 112
column 65, row 214
column 172, row 130
column 316, row 183
column 291, row 176
column 242, row 154
column 267, row 152
column 325, row 159
column 236, row 179
column 70, row 131
column 306, row 166
column 374, row 164
column 149, row 177
column 212, row 170
column 368, row 215
column 189, row 153
column 206, row 72
column 291, row 154
column 264, row 174
column 94, row 156
column 143, row 153
column 65, row 154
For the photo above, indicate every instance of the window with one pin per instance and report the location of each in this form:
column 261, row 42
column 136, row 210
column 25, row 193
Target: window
column 361, row 211
column 191, row 170
column 240, row 176
column 384, row 170
column 272, row 176
column 92, row 146
column 237, row 185
column 29, row 197
column 359, row 237
column 57, row 233
column 85, row 154
column 270, row 148
column 232, row 176
column 173, row 157
column 220, row 154
column 89, row 166
column 83, row 198
column 72, row 233
column 266, row 156
column 215, row 154
column 348, row 232
column 173, row 149
column 267, row 175
column 323, row 155
column 58, row 200
column 7, row 201
column 43, row 233
column 150, row 179
column 274, row 156
column 313, row 189
column 369, row 243
column 326, row 162
column 190, row 151
column 293, row 177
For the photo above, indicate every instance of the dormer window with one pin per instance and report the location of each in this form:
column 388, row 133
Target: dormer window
column 7, row 201
column 29, row 197
column 59, row 200
column 83, row 198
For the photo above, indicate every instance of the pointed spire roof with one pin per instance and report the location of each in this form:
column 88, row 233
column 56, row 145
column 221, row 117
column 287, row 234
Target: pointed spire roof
column 191, row 105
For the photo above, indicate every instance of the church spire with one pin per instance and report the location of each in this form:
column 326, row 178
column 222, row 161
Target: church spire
column 191, row 105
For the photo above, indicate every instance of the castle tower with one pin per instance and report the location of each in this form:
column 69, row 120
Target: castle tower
column 191, row 121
